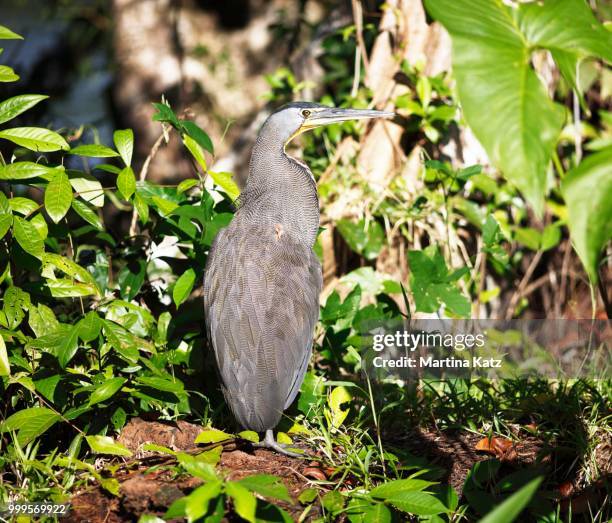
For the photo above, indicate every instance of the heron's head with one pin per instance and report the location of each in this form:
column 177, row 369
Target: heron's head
column 295, row 118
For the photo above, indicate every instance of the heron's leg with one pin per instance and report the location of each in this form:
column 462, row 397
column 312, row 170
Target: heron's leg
column 270, row 443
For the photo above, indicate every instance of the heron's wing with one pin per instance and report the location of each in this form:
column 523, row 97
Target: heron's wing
column 261, row 297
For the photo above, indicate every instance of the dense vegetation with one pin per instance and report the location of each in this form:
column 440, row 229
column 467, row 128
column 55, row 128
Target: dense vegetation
column 98, row 327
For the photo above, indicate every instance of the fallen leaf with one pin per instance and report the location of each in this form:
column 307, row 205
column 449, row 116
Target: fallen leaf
column 566, row 489
column 314, row 473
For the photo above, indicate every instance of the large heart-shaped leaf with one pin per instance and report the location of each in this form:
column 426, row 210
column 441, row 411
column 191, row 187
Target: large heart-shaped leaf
column 587, row 190
column 503, row 100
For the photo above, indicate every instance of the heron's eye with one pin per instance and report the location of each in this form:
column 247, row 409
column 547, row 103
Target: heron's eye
column 305, row 113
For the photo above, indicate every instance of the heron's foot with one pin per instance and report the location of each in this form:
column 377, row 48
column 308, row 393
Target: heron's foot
column 270, row 443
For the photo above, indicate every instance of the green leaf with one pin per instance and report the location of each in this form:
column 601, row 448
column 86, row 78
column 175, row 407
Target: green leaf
column 167, row 385
column 367, row 241
column 6, row 221
column 391, row 488
column 89, row 326
column 196, row 503
column 87, row 187
column 5, row 368
column 417, row 503
column 196, row 151
column 16, row 105
column 491, row 64
column 210, row 435
column 87, row 213
column 126, row 182
column 106, row 390
column 166, row 114
column 249, row 435
column 165, row 207
column 266, row 485
column 7, row 74
column 338, row 397
column 587, row 190
column 106, row 445
column 141, row 208
column 30, row 423
column 226, row 182
column 65, row 288
column 185, row 185
column 7, row 34
column 67, row 348
column 244, row 502
column 124, row 142
column 94, row 151
column 26, row 170
column 333, row 501
column 35, row 138
column 42, row 320
column 203, row 140
column 27, row 237
column 511, row 508
column 58, row 196
column 362, row 511
column 23, row 206
column 183, row 287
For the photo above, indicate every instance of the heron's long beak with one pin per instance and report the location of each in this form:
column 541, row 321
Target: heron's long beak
column 334, row 115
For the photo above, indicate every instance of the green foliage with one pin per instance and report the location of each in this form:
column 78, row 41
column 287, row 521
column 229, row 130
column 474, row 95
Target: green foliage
column 492, row 47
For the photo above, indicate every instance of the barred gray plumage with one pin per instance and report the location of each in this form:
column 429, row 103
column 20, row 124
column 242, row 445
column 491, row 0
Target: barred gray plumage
column 262, row 279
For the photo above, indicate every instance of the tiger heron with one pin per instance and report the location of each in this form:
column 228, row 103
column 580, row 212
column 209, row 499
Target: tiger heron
column 262, row 279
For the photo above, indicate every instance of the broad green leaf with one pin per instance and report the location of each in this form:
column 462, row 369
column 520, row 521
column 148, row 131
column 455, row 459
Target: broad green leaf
column 35, row 138
column 249, row 435
column 196, row 503
column 185, row 185
column 30, row 423
column 196, row 151
column 6, row 220
column 203, row 140
column 106, row 390
column 65, row 288
column 183, row 287
column 22, row 205
column 587, row 190
column 89, row 326
column 87, row 187
column 7, row 74
column 58, row 196
column 226, row 182
column 266, row 485
column 165, row 207
column 126, row 182
column 88, row 214
column 7, row 34
column 141, row 208
column 106, row 445
column 42, row 320
column 16, row 105
column 362, row 511
column 333, row 501
column 491, row 64
column 391, row 488
column 210, row 435
column 417, row 503
column 5, row 368
column 94, row 151
column 511, row 508
column 166, row 114
column 167, row 385
column 244, row 501
column 27, row 237
column 338, row 397
column 67, row 348
column 365, row 240
column 124, row 142
column 26, row 170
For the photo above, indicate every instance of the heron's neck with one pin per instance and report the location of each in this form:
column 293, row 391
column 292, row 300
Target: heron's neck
column 281, row 190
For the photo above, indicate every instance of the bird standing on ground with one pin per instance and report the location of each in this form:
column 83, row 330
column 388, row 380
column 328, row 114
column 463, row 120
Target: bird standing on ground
column 262, row 279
